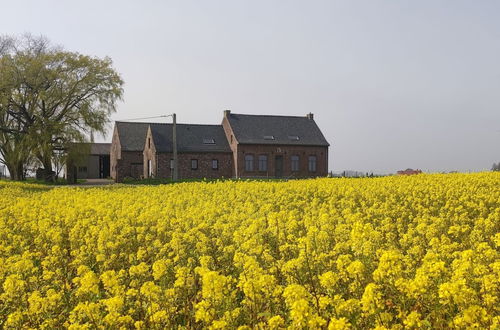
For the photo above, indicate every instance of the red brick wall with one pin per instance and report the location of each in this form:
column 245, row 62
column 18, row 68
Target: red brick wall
column 130, row 165
column 204, row 165
column 272, row 151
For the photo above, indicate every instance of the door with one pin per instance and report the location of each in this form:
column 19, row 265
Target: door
column 104, row 167
column 278, row 166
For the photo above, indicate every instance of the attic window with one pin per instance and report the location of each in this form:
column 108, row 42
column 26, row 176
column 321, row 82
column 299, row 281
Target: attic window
column 208, row 141
column 293, row 137
column 268, row 137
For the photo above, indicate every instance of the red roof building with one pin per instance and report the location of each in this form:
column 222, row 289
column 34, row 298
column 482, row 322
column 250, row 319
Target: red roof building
column 409, row 171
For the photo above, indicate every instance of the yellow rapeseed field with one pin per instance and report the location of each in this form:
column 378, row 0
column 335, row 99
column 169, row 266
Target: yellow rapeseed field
column 395, row 252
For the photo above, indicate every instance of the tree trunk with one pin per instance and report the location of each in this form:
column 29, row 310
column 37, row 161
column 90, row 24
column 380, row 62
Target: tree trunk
column 48, row 173
column 16, row 171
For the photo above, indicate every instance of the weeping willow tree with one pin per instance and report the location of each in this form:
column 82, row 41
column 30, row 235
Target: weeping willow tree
column 50, row 98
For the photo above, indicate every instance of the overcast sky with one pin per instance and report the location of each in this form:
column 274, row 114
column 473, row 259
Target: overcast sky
column 392, row 84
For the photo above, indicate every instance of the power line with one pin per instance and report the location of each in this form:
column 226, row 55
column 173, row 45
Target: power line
column 163, row 116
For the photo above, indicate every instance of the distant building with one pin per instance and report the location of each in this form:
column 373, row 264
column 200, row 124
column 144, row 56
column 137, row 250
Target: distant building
column 409, row 171
column 252, row 146
column 96, row 165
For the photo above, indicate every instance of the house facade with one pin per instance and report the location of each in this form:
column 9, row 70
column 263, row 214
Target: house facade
column 202, row 151
column 276, row 146
column 243, row 146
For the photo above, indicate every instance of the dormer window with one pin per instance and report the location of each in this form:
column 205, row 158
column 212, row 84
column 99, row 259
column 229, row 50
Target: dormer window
column 268, row 137
column 293, row 137
column 208, row 141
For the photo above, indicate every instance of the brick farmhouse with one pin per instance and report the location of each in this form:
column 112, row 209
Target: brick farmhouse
column 243, row 146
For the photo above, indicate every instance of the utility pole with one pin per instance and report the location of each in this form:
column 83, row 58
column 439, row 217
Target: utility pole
column 174, row 147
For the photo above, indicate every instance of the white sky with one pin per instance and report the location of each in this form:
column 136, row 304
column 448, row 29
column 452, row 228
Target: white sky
column 392, row 84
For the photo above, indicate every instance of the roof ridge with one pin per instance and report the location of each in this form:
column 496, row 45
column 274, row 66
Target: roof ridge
column 135, row 122
column 253, row 115
column 153, row 123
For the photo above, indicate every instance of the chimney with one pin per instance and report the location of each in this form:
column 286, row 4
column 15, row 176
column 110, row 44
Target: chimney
column 310, row 116
column 227, row 113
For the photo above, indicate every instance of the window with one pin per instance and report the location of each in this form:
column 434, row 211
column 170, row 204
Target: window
column 231, row 138
column 268, row 137
column 249, row 163
column 171, row 164
column 312, row 163
column 263, row 163
column 208, row 141
column 149, row 143
column 82, row 169
column 215, row 164
column 295, row 163
column 150, row 168
column 194, row 164
column 293, row 137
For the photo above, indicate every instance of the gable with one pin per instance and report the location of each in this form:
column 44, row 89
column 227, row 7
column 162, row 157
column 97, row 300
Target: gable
column 132, row 136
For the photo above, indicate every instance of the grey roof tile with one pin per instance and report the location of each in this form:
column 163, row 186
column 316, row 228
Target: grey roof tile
column 132, row 135
column 190, row 138
column 284, row 130
column 100, row 148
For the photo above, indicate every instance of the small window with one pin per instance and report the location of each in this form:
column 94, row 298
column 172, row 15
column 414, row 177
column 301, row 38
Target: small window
column 208, row 141
column 231, row 138
column 171, row 164
column 295, row 163
column 268, row 137
column 262, row 163
column 215, row 164
column 293, row 137
column 149, row 143
column 312, row 163
column 194, row 164
column 249, row 163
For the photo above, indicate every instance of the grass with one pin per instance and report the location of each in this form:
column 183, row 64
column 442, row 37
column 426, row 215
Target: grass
column 59, row 182
column 159, row 181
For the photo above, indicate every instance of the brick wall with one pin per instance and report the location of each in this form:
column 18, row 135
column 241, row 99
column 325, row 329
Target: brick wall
column 204, row 170
column 130, row 165
column 271, row 151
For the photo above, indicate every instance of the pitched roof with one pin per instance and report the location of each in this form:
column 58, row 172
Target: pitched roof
column 190, row 138
column 100, row 148
column 282, row 130
column 132, row 135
